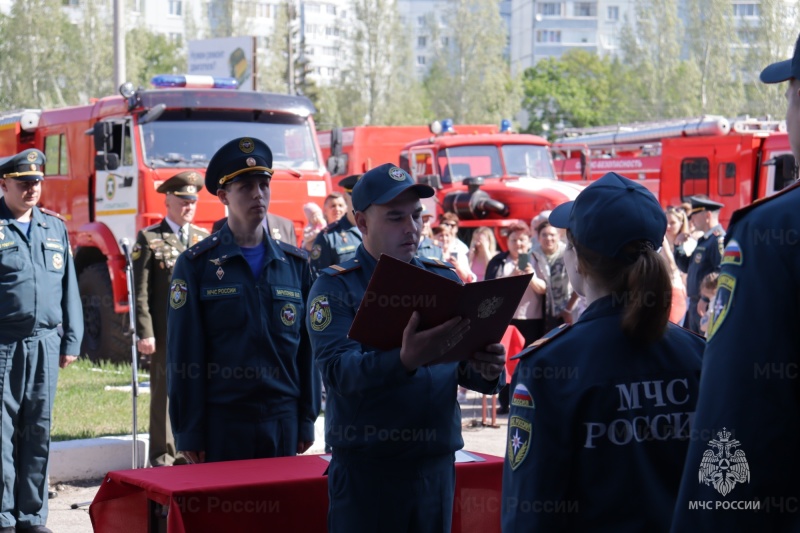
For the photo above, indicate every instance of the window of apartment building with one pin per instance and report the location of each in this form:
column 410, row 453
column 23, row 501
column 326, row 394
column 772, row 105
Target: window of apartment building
column 343, row 13
column 548, row 36
column 420, row 60
column 312, row 8
column 445, row 41
column 550, row 9
column 312, row 29
column 176, row 7
column 73, row 3
column 262, row 10
column 745, row 10
column 330, row 9
column 585, row 9
column 747, row 35
column 329, row 50
column 420, row 21
column 309, row 51
column 175, row 38
column 612, row 13
column 422, row 42
column 137, row 6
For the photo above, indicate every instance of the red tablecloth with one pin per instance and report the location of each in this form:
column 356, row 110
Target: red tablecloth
column 284, row 494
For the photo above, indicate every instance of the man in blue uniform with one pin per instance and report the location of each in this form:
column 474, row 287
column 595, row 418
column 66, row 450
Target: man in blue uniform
column 394, row 423
column 742, row 468
column 241, row 379
column 38, row 293
column 337, row 242
column 706, row 256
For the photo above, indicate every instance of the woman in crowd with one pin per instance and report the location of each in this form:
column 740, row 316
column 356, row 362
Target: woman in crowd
column 599, row 422
column 677, row 223
column 560, row 299
column 447, row 242
column 481, row 250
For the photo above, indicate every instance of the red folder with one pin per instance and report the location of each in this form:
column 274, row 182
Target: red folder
column 398, row 288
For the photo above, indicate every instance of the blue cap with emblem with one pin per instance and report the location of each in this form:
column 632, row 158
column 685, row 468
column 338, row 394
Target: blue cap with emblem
column 24, row 166
column 783, row 70
column 245, row 157
column 610, row 213
column 383, row 184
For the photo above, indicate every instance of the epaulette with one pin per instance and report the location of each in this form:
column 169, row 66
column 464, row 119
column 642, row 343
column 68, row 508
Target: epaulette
column 535, row 345
column 152, row 227
column 432, row 261
column 198, row 228
column 52, row 214
column 330, row 227
column 739, row 213
column 203, row 246
column 293, row 250
column 347, row 266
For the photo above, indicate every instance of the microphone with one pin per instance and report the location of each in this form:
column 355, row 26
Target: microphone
column 124, row 244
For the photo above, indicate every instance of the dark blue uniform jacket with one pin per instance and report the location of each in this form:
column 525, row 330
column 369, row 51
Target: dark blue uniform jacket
column 599, row 427
column 375, row 407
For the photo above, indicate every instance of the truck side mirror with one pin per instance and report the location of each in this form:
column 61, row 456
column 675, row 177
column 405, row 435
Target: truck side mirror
column 102, row 133
column 785, row 171
column 434, row 180
column 337, row 164
column 106, row 161
column 336, row 141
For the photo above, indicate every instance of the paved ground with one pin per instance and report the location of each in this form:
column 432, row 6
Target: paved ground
column 64, row 519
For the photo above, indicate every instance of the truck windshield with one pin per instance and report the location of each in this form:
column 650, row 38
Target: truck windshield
column 459, row 162
column 183, row 139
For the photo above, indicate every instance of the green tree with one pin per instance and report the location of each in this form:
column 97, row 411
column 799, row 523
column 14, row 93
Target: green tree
column 149, row 54
column 718, row 61
column 470, row 80
column 37, row 41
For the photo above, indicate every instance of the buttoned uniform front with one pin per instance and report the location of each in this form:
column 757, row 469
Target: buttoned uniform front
column 702, row 261
column 749, row 386
column 154, row 254
column 335, row 244
column 599, row 427
column 38, row 293
column 240, row 374
column 393, row 432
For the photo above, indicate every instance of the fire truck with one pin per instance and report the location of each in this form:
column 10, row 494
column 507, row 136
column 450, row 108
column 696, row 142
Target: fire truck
column 106, row 159
column 357, row 149
column 487, row 179
column 733, row 162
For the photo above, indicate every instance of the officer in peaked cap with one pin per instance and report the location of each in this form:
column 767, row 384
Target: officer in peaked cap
column 747, row 421
column 154, row 254
column 337, row 242
column 706, row 256
column 601, row 410
column 398, row 483
column 38, row 293
column 257, row 393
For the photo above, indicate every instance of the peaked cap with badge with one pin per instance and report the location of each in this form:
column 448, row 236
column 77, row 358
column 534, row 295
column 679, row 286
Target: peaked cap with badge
column 701, row 203
column 349, row 182
column 185, row 185
column 245, row 157
column 24, row 166
column 383, row 184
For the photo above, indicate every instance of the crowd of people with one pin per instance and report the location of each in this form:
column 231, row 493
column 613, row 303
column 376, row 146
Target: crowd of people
column 243, row 328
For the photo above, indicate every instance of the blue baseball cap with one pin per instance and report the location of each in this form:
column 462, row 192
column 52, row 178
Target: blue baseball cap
column 783, row 70
column 610, row 213
column 24, row 166
column 383, row 184
column 240, row 158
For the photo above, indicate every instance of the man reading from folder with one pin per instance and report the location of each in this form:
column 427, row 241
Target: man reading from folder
column 393, row 422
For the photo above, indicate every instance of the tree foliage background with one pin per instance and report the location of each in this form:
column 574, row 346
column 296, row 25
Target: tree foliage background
column 665, row 68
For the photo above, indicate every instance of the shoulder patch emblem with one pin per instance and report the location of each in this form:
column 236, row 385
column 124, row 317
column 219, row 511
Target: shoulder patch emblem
column 178, row 293
column 136, row 253
column 520, row 432
column 320, row 313
column 722, row 303
column 316, row 251
column 522, row 397
column 732, row 254
column 288, row 314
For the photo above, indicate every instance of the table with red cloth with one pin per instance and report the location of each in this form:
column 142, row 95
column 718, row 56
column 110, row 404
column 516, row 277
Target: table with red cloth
column 282, row 494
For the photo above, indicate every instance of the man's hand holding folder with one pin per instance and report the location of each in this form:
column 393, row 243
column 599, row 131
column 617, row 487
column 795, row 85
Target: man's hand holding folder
column 434, row 319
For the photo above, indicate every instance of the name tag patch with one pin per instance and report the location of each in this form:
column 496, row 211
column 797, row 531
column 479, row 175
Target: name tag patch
column 287, row 293
column 226, row 291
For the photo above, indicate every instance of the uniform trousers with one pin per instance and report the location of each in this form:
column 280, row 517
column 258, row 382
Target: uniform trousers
column 233, row 436
column 390, row 496
column 29, row 370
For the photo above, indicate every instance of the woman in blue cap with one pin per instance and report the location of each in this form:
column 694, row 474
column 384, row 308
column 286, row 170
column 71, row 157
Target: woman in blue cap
column 600, row 411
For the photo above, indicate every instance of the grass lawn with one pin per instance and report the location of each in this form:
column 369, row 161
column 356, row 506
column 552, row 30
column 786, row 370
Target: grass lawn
column 84, row 409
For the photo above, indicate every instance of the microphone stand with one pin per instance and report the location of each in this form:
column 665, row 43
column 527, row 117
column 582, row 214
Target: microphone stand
column 134, row 354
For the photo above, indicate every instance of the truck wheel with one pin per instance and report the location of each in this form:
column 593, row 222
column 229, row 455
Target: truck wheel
column 105, row 335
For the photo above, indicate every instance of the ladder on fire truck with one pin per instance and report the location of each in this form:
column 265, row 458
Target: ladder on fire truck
column 646, row 136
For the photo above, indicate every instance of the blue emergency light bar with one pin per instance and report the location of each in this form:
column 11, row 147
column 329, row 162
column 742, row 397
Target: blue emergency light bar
column 192, row 81
column 505, row 126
